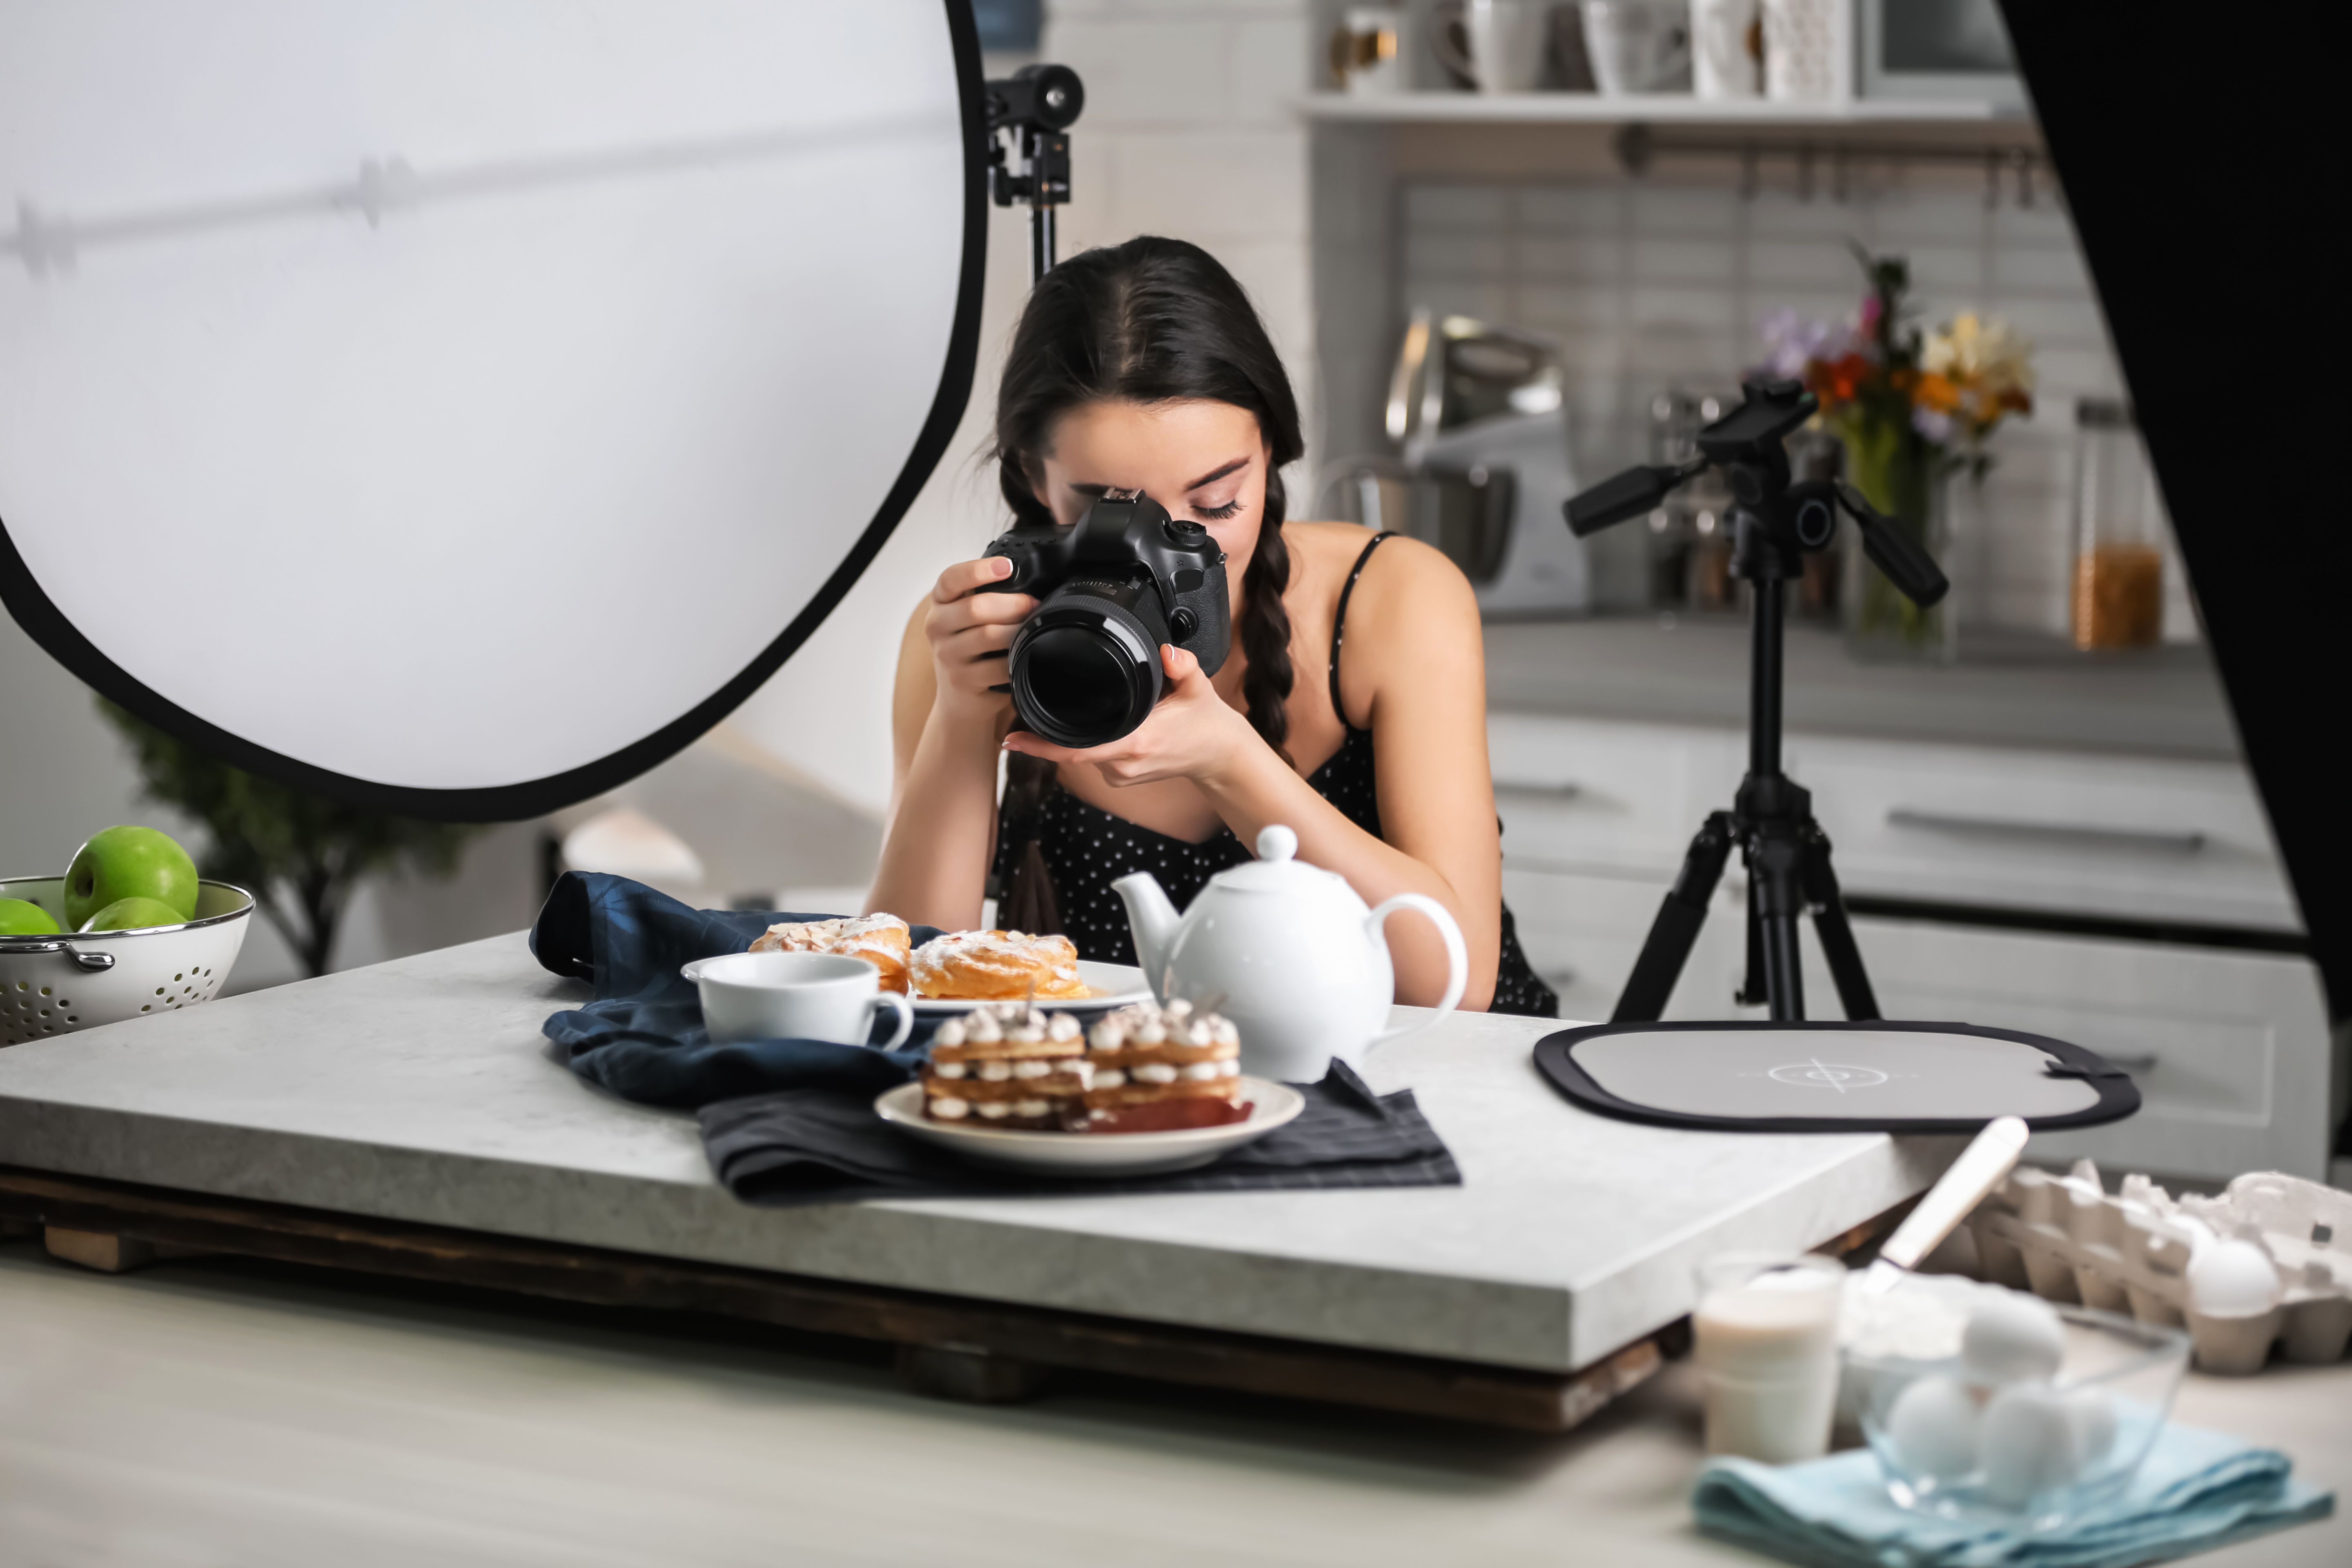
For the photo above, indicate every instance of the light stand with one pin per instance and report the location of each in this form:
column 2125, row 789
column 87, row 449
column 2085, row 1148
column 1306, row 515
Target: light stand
column 1036, row 105
column 1774, row 524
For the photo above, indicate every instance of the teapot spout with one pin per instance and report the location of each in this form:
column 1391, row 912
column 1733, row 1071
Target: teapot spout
column 1151, row 920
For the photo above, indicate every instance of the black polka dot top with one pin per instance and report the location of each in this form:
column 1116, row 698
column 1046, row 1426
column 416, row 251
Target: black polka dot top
column 1085, row 849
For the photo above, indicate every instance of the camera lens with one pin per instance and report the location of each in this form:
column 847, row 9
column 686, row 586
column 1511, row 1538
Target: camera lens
column 1086, row 665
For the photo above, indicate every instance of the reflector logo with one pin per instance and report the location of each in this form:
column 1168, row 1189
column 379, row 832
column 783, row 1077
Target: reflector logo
column 1818, row 1074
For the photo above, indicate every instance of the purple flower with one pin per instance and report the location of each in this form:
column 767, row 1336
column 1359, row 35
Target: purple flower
column 1790, row 342
column 1933, row 424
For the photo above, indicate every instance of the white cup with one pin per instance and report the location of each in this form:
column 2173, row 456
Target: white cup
column 1765, row 1342
column 1365, row 55
column 796, row 996
column 1638, row 46
column 1727, row 47
column 1508, row 41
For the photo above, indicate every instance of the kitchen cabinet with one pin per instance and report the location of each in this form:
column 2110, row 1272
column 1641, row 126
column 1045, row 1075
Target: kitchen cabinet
column 2228, row 1045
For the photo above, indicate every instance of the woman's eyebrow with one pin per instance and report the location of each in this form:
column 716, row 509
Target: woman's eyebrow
column 1212, row 479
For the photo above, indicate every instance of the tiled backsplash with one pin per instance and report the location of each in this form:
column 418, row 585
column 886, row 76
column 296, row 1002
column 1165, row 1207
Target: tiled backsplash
column 1654, row 286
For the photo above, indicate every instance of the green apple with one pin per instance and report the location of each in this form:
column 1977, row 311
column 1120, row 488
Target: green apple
column 129, row 863
column 133, row 914
column 18, row 917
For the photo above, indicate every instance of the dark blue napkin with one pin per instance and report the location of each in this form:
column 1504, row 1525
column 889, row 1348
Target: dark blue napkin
column 643, row 1037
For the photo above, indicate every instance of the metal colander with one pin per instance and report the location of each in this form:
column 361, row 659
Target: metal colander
column 60, row 985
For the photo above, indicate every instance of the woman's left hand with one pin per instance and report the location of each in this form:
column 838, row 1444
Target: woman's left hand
column 1193, row 733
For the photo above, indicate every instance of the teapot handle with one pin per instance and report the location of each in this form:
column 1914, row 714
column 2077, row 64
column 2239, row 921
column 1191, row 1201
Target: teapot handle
column 1457, row 957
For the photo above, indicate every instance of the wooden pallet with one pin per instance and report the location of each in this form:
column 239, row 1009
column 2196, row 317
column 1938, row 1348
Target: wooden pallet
column 950, row 1346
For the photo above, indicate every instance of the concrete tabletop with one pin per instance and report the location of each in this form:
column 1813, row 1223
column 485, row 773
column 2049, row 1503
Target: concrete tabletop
column 422, row 1090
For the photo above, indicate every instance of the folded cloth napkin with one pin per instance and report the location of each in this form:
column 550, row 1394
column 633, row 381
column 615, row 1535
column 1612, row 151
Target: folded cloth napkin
column 2195, row 1491
column 825, row 1146
column 643, row 1037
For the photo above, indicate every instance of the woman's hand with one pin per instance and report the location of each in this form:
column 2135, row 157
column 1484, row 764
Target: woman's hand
column 1193, row 733
column 970, row 631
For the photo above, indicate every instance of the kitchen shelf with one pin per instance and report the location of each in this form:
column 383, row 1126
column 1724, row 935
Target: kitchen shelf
column 1648, row 108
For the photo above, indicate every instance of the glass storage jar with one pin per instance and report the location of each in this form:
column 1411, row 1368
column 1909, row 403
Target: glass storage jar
column 2118, row 597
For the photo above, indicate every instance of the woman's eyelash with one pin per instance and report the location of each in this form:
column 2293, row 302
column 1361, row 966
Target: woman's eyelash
column 1219, row 513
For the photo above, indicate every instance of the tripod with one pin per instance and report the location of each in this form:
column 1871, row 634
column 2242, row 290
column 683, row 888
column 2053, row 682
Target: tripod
column 1038, row 104
column 1774, row 524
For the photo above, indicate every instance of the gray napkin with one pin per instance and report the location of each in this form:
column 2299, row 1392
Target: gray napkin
column 825, row 1146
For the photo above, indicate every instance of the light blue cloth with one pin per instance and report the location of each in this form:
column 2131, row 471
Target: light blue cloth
column 2195, row 1491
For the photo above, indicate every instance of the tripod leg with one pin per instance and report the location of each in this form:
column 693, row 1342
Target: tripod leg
column 1663, row 952
column 1830, row 925
column 1775, row 870
column 1753, row 992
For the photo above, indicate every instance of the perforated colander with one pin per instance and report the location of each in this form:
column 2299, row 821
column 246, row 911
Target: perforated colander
column 52, row 986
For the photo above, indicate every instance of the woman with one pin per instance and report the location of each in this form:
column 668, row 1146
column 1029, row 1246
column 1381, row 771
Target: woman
column 1143, row 366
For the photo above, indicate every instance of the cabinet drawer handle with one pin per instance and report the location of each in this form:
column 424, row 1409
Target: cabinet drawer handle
column 2145, row 1062
column 1541, row 791
column 2046, row 832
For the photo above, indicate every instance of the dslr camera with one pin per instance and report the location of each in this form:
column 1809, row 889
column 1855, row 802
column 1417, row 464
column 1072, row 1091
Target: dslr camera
column 1085, row 668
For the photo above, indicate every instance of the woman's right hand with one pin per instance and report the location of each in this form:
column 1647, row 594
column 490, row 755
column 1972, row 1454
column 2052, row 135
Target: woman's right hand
column 969, row 632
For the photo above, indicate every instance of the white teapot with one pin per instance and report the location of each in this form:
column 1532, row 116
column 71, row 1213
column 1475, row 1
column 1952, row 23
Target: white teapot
column 1302, row 965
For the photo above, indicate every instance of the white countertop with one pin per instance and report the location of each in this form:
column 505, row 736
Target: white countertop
column 215, row 1412
column 422, row 1090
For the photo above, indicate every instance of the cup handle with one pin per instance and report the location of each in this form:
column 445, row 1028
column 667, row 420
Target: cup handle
column 1457, row 956
column 896, row 1002
column 1446, row 21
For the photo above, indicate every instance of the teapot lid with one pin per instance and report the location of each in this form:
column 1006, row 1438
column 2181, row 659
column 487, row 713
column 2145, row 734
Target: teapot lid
column 1276, row 869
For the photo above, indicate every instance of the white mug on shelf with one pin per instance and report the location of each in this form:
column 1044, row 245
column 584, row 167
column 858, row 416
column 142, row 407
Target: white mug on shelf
column 1802, row 42
column 1365, row 56
column 1727, row 48
column 1504, row 43
column 796, row 996
column 1638, row 46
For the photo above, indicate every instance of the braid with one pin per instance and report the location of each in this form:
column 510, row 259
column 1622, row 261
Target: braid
column 1268, row 678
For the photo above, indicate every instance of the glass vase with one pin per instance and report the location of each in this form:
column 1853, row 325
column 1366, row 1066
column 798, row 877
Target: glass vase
column 1907, row 480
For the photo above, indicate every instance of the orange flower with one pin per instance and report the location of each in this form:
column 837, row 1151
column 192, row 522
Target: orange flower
column 1937, row 392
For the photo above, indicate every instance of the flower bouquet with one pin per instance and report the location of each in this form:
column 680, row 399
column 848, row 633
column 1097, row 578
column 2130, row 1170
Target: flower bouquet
column 1912, row 408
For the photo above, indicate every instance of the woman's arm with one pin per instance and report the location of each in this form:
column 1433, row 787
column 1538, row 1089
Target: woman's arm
column 1416, row 666
column 945, row 726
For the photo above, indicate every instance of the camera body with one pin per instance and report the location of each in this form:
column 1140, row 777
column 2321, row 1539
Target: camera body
column 1124, row 579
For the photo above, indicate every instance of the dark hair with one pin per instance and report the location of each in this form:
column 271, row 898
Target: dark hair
column 1158, row 320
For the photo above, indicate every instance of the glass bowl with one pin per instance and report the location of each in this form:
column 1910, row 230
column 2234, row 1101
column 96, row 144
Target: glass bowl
column 2031, row 1455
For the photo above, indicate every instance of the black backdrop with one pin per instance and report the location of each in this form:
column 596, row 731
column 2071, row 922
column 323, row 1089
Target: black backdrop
column 2203, row 211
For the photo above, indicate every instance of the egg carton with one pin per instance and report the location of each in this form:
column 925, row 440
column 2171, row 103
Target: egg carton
column 2138, row 1250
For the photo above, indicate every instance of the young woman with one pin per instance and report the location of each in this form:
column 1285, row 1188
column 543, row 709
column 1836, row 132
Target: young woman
column 1352, row 709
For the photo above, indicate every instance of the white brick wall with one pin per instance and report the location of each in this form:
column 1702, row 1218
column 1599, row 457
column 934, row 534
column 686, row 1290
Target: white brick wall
column 1648, row 286
column 1191, row 130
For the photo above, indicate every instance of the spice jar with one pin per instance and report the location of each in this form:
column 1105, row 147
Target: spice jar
column 2118, row 598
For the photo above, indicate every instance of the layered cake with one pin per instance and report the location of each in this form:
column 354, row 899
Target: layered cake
column 880, row 940
column 1009, row 1066
column 998, row 965
column 1158, row 1068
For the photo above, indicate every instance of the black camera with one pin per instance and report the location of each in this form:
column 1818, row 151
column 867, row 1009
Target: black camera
column 1125, row 579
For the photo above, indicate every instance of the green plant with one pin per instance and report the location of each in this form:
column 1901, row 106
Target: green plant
column 301, row 855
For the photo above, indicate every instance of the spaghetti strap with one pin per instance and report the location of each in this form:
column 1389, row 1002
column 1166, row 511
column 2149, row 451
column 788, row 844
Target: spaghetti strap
column 1340, row 624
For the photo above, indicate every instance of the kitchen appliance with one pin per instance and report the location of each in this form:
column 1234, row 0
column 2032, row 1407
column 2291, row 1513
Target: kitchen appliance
column 1298, row 962
column 1480, row 467
column 1916, row 49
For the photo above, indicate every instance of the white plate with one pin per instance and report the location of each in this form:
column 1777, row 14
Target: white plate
column 1095, row 1153
column 1116, row 986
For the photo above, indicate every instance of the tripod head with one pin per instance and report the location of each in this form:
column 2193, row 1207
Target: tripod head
column 1775, row 521
column 1036, row 106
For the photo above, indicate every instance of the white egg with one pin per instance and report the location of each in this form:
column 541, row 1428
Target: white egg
column 2027, row 1438
column 2231, row 1280
column 2012, row 1338
column 2093, row 1416
column 1933, row 1425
